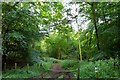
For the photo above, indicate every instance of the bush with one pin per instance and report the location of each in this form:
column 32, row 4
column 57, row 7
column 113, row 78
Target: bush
column 106, row 68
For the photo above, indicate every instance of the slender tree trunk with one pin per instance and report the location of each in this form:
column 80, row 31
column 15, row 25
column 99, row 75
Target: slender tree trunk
column 94, row 20
column 89, row 46
column 78, row 78
column 80, row 51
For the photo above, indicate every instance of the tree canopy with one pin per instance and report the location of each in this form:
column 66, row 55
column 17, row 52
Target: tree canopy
column 55, row 29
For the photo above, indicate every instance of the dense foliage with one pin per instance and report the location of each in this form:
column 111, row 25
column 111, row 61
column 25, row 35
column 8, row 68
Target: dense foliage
column 87, row 69
column 35, row 32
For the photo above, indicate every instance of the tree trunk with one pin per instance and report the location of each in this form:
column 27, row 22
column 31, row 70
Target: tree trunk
column 89, row 46
column 80, row 54
column 94, row 20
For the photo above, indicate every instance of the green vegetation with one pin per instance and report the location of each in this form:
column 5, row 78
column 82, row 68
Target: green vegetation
column 106, row 69
column 82, row 36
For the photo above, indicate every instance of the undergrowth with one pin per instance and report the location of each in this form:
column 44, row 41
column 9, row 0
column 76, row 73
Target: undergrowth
column 105, row 69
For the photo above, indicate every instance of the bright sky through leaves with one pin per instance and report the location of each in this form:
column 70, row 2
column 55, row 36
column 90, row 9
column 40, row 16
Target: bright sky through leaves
column 81, row 21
